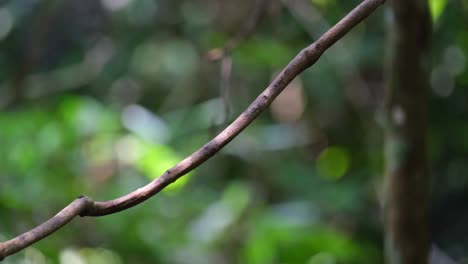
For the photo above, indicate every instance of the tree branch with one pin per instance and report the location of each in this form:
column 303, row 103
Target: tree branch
column 407, row 177
column 84, row 206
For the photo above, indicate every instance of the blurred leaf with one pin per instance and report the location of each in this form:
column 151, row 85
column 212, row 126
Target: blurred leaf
column 333, row 163
column 50, row 138
column 263, row 52
column 322, row 258
column 437, row 7
column 274, row 241
column 218, row 217
column 87, row 116
column 160, row 61
column 24, row 156
column 237, row 196
column 260, row 250
column 324, row 3
column 141, row 12
column 156, row 160
column 95, row 256
column 100, row 148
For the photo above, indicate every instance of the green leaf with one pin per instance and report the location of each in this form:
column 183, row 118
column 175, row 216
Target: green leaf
column 437, row 7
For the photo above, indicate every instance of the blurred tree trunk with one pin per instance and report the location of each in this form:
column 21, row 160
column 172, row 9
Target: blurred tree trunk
column 406, row 176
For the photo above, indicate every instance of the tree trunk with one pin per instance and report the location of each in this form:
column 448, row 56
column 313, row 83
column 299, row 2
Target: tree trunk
column 407, row 177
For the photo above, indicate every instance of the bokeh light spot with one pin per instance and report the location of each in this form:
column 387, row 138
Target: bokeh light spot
column 6, row 22
column 333, row 163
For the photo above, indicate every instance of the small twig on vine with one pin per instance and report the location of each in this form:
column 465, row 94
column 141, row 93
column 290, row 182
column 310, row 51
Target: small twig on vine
column 224, row 54
column 220, row 119
column 84, row 206
column 247, row 30
column 224, row 86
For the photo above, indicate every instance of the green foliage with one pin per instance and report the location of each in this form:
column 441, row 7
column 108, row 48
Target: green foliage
column 277, row 240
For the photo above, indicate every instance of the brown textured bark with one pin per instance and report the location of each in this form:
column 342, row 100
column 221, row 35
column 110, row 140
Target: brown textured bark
column 407, row 177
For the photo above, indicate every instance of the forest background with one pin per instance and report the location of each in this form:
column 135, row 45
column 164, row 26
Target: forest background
column 101, row 97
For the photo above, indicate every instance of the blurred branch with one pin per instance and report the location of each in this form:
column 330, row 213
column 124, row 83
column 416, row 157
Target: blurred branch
column 223, row 54
column 246, row 31
column 84, row 206
column 225, row 84
column 39, row 85
column 407, row 181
